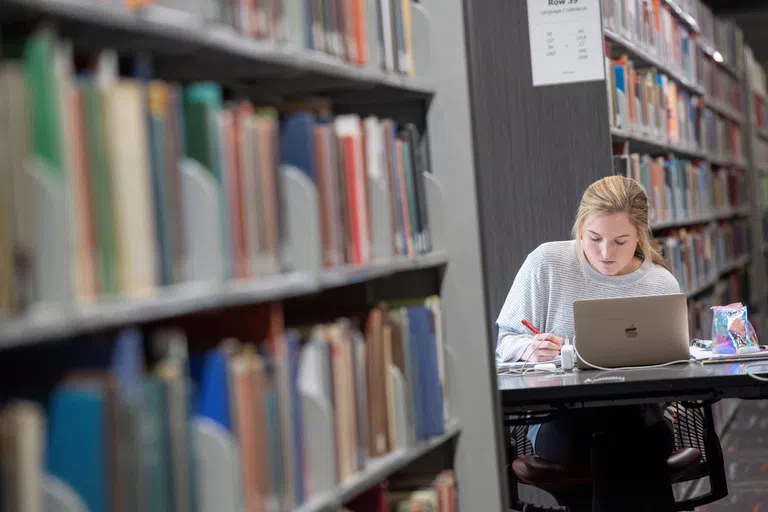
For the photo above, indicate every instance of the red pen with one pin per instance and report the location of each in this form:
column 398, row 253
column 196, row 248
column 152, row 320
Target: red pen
column 530, row 327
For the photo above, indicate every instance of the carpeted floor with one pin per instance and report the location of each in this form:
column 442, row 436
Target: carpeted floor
column 745, row 446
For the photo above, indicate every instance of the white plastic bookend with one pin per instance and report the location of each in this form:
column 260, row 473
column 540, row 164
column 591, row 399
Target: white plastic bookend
column 373, row 50
column 435, row 210
column 381, row 220
column 422, row 40
column 295, row 24
column 58, row 496
column 302, row 250
column 450, row 371
column 202, row 226
column 218, row 466
column 53, row 253
column 320, row 455
column 401, row 405
column 180, row 13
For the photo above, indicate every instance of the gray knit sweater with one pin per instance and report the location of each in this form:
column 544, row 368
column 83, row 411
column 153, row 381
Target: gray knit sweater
column 551, row 279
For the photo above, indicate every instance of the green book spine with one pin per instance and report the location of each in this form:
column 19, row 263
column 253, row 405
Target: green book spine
column 100, row 189
column 44, row 101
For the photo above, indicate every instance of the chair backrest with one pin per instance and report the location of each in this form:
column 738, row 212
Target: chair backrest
column 690, row 426
column 688, row 420
column 518, row 436
column 693, row 427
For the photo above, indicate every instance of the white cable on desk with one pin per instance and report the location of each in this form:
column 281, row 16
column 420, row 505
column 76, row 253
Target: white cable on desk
column 627, row 368
column 524, row 371
column 756, row 377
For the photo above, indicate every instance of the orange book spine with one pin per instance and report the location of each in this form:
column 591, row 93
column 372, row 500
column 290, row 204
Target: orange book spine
column 348, row 144
column 358, row 17
column 246, row 433
column 235, row 206
column 267, row 139
column 136, row 4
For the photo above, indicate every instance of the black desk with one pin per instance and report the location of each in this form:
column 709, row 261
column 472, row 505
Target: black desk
column 590, row 388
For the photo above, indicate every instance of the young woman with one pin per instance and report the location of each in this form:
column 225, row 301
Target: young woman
column 611, row 256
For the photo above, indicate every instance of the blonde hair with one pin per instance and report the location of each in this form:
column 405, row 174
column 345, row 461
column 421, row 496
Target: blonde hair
column 617, row 194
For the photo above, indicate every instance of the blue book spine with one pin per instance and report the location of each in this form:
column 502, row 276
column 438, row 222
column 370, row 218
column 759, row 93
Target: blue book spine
column 297, row 143
column 417, row 383
column 214, row 390
column 77, row 442
column 621, row 102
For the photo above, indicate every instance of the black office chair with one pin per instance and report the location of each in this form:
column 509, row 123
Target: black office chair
column 697, row 455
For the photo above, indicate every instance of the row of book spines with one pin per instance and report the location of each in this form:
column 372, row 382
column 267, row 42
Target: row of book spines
column 761, row 151
column 760, row 111
column 645, row 100
column 728, row 239
column 764, row 181
column 343, row 28
column 691, row 272
column 720, row 85
column 195, row 122
column 729, row 41
column 329, row 30
column 122, row 437
column 369, row 153
column 413, row 494
column 680, row 189
column 681, row 50
column 652, row 25
column 721, row 33
column 695, row 256
column 262, row 19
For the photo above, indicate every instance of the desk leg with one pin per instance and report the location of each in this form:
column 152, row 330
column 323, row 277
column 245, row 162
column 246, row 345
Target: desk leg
column 632, row 481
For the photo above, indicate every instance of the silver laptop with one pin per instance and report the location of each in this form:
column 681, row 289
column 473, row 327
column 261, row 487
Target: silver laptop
column 631, row 331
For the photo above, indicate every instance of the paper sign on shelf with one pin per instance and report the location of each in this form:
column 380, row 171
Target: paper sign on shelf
column 566, row 39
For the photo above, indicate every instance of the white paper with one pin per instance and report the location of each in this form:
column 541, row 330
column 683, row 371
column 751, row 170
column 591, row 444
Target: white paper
column 525, row 364
column 566, row 41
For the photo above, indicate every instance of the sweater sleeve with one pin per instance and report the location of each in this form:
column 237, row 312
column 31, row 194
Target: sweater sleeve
column 522, row 302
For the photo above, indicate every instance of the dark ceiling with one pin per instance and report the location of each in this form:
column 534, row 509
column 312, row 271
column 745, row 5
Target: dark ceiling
column 752, row 17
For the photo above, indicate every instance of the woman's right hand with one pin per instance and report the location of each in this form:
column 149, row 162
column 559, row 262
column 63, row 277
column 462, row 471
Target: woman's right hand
column 543, row 347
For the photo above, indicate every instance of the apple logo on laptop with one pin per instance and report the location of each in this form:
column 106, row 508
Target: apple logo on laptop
column 631, row 331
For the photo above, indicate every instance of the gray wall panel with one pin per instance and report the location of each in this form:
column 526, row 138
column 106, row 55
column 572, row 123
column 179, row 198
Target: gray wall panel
column 536, row 148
